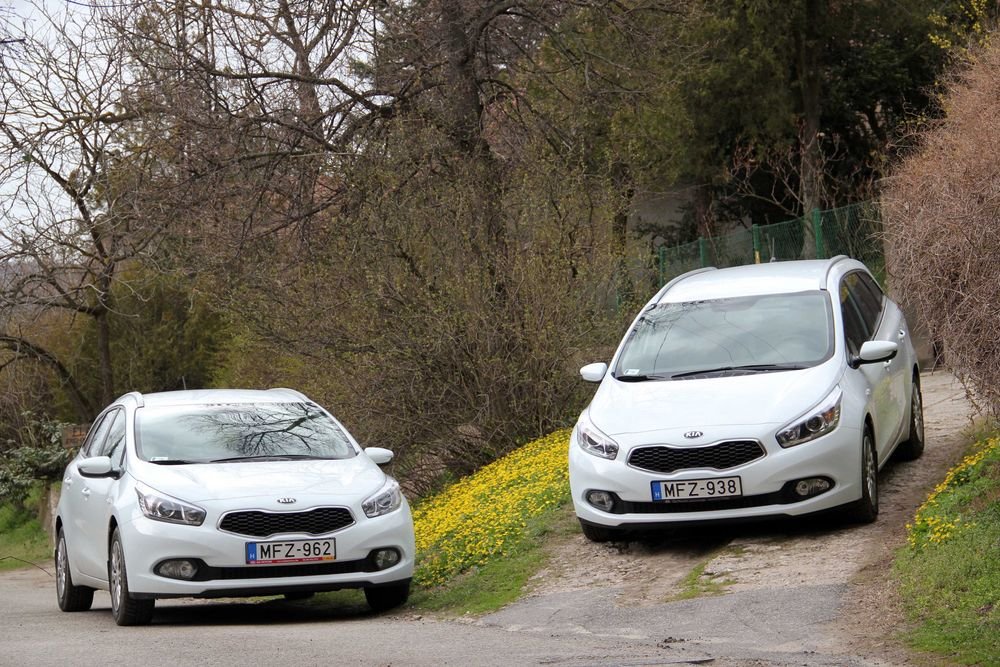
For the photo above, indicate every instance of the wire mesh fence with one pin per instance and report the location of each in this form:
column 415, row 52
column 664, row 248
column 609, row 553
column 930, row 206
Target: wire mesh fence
column 853, row 230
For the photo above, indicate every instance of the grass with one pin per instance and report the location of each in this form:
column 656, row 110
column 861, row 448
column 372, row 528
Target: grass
column 949, row 573
column 498, row 581
column 697, row 584
column 22, row 539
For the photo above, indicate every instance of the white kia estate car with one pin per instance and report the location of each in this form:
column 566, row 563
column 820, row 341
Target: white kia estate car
column 768, row 390
column 225, row 493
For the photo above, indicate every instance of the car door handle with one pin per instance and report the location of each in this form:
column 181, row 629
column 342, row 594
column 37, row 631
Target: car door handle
column 86, row 492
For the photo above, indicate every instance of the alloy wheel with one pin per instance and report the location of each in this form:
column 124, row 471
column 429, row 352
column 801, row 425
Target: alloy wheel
column 871, row 471
column 61, row 567
column 917, row 410
column 116, row 575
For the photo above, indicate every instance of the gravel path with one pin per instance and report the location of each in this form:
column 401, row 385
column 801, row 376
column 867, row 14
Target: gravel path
column 803, row 592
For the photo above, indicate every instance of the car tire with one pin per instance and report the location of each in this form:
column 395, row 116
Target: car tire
column 865, row 510
column 914, row 446
column 384, row 598
column 600, row 533
column 70, row 596
column 125, row 609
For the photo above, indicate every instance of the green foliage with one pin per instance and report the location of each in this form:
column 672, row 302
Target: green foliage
column 712, row 93
column 22, row 539
column 166, row 334
column 948, row 574
column 37, row 454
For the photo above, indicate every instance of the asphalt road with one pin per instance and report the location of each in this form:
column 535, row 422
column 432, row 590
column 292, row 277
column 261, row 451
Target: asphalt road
column 788, row 590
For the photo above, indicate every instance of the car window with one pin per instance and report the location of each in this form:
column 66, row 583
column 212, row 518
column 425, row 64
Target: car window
column 115, row 441
column 868, row 301
column 207, row 433
column 855, row 329
column 95, row 439
column 781, row 330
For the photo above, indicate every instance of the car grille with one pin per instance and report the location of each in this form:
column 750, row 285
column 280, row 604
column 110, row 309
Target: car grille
column 721, row 456
column 319, row 521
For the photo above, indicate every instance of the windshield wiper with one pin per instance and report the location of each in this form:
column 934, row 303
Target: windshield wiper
column 173, row 462
column 763, row 368
column 273, row 457
column 639, row 378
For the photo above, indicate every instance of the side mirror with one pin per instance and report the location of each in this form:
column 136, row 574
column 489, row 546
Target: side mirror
column 96, row 466
column 379, row 455
column 594, row 372
column 875, row 351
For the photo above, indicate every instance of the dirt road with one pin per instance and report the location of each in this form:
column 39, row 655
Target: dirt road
column 805, row 593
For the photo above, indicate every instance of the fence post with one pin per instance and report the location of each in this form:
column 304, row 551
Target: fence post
column 756, row 243
column 661, row 261
column 817, row 222
column 703, row 251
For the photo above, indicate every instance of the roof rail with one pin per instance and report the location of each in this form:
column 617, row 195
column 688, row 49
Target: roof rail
column 674, row 281
column 829, row 267
column 298, row 394
column 139, row 400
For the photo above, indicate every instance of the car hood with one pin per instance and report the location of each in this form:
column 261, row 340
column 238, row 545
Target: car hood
column 343, row 479
column 774, row 397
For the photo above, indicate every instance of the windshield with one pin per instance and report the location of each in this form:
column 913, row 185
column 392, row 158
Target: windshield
column 240, row 431
column 742, row 334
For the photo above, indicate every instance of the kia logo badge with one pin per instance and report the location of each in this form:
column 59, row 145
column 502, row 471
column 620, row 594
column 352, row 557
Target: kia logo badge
column 286, row 501
column 693, row 434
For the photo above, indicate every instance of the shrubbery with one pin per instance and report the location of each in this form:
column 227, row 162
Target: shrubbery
column 37, row 455
column 941, row 213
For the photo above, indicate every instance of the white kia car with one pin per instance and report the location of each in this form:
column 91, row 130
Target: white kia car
column 768, row 390
column 226, row 493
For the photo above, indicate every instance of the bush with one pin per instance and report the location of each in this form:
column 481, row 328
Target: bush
column 943, row 250
column 38, row 455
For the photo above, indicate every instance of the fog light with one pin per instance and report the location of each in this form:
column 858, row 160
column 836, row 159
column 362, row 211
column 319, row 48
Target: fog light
column 812, row 486
column 177, row 569
column 385, row 558
column 602, row 500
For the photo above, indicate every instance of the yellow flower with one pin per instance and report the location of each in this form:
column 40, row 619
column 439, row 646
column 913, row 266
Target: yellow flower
column 479, row 516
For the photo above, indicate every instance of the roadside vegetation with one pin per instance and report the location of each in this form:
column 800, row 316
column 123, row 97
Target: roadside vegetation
column 948, row 572
column 22, row 539
column 479, row 540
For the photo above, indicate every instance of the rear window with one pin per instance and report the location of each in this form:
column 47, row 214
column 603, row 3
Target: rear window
column 207, row 433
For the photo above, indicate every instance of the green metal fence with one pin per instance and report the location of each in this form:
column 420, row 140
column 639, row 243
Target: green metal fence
column 853, row 230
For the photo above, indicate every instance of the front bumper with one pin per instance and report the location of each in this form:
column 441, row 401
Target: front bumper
column 766, row 483
column 221, row 556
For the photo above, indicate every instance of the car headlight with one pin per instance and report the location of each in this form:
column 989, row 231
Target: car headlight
column 386, row 499
column 590, row 438
column 819, row 421
column 161, row 507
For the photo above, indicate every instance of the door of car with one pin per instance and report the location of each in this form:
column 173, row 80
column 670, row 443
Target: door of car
column 94, row 502
column 866, row 318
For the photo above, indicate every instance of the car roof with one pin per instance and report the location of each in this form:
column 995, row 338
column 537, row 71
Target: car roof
column 216, row 396
column 753, row 279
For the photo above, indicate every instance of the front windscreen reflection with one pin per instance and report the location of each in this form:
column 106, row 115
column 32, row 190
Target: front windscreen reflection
column 207, row 433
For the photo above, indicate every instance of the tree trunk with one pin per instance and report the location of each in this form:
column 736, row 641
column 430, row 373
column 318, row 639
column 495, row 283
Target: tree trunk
column 810, row 86
column 625, row 188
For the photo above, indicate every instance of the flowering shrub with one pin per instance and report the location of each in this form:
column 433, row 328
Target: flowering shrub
column 485, row 515
column 938, row 519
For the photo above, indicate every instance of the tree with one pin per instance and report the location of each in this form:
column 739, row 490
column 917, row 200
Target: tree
column 86, row 212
